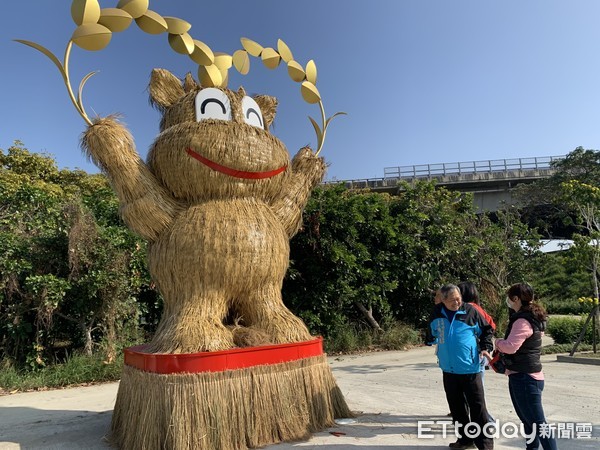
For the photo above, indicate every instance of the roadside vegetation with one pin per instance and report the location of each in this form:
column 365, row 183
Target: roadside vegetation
column 77, row 370
column 75, row 290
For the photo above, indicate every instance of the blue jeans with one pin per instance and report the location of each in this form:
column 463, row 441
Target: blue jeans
column 526, row 396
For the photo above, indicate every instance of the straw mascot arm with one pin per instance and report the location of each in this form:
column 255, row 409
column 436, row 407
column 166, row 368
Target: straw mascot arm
column 308, row 170
column 145, row 205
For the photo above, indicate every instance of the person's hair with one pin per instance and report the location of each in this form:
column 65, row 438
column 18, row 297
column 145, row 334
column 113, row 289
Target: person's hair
column 447, row 288
column 525, row 293
column 468, row 292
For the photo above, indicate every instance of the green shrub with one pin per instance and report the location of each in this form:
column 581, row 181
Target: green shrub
column 348, row 339
column 564, row 348
column 398, row 337
column 566, row 330
column 568, row 306
column 77, row 369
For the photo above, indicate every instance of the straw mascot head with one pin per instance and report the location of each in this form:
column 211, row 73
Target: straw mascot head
column 214, row 142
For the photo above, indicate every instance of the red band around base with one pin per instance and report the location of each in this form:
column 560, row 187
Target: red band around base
column 238, row 358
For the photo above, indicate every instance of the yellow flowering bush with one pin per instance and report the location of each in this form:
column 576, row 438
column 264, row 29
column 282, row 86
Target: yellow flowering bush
column 588, row 301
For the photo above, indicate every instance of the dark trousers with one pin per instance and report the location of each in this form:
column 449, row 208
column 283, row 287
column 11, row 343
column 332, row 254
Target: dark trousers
column 459, row 387
column 526, row 396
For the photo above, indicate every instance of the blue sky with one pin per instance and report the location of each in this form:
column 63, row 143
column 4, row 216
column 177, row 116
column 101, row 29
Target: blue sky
column 422, row 81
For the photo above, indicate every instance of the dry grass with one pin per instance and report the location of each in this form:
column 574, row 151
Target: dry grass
column 231, row 410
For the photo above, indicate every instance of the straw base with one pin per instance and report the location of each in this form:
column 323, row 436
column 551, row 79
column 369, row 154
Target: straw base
column 228, row 410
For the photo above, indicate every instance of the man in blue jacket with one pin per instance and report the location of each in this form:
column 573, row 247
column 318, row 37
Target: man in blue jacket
column 462, row 335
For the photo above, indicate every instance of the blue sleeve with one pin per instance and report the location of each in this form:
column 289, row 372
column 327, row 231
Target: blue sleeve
column 431, row 335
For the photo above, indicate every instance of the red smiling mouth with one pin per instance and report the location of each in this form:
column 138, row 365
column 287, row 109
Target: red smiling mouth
column 234, row 172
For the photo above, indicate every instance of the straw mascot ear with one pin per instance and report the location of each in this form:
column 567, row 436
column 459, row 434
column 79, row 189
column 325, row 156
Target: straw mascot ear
column 189, row 84
column 165, row 89
column 268, row 107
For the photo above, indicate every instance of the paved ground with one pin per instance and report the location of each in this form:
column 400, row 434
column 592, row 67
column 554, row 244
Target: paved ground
column 393, row 390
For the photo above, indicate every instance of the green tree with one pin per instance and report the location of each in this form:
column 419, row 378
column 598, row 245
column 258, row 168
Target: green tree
column 542, row 202
column 573, row 196
column 433, row 237
column 560, row 280
column 504, row 250
column 32, row 281
column 584, row 199
column 371, row 258
column 69, row 270
column 340, row 269
column 73, row 277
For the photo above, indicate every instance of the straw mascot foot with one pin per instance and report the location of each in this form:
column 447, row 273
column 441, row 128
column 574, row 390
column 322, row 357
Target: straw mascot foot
column 192, row 335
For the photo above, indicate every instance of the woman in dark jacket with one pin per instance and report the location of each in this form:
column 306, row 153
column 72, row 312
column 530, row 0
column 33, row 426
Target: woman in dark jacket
column 522, row 346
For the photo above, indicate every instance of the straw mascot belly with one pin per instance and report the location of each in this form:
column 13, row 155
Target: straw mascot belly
column 218, row 202
column 232, row 257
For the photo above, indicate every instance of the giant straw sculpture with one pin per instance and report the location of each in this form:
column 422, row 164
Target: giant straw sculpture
column 218, row 200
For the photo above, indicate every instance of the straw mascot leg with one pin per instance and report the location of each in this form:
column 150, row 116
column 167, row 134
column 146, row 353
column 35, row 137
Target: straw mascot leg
column 218, row 201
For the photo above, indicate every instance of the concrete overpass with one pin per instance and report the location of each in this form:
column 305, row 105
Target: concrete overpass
column 490, row 181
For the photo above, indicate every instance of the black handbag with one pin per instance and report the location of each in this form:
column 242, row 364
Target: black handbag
column 498, row 364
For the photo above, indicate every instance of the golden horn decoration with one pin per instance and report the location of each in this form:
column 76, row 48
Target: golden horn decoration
column 80, row 91
column 318, row 132
column 270, row 58
column 91, row 36
column 95, row 28
column 254, row 48
column 296, row 71
column 224, row 77
column 241, row 61
column 115, row 19
column 210, row 76
column 310, row 93
column 85, row 11
column 182, row 43
column 202, row 54
column 223, row 61
column 152, row 23
column 177, row 26
column 311, row 72
column 63, row 69
column 284, row 51
column 137, row 8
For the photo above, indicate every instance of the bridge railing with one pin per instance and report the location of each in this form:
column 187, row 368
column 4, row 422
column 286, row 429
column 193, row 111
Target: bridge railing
column 457, row 172
column 470, row 167
column 364, row 183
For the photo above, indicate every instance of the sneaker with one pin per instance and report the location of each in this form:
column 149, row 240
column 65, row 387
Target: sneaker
column 461, row 445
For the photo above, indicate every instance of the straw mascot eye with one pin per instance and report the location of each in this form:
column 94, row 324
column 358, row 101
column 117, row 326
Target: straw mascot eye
column 212, row 103
column 251, row 111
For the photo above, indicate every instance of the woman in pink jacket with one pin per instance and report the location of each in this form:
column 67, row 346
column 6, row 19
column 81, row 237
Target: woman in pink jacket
column 522, row 346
